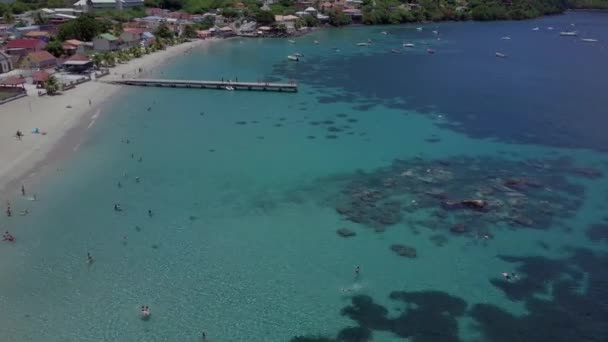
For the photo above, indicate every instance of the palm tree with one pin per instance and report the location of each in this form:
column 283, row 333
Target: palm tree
column 109, row 59
column 52, row 85
column 97, row 59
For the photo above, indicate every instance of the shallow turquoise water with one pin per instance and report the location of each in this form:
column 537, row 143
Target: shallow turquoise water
column 242, row 243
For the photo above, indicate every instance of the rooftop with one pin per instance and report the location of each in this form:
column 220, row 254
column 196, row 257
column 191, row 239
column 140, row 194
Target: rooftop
column 23, row 44
column 108, row 36
column 40, row 56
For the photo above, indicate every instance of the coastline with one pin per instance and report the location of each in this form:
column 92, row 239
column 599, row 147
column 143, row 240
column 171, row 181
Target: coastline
column 64, row 118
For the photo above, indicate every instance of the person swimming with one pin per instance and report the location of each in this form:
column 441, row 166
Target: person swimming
column 145, row 312
column 119, row 184
column 24, row 212
column 9, row 212
column 136, row 179
column 150, row 212
column 357, row 271
column 22, row 190
column 90, row 259
column 204, row 337
column 117, row 207
column 8, row 237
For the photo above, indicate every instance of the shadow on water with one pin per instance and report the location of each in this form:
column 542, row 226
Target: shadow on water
column 576, row 311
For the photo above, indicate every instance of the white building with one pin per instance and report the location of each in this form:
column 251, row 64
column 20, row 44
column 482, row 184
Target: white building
column 88, row 5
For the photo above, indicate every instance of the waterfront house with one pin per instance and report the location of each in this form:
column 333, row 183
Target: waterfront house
column 354, row 14
column 21, row 31
column 21, row 47
column 77, row 64
column 203, row 34
column 39, row 60
column 147, row 38
column 91, row 5
column 73, row 46
column 6, row 62
column 105, row 42
column 130, row 38
column 40, row 77
column 225, row 32
column 41, row 35
column 311, row 10
column 289, row 21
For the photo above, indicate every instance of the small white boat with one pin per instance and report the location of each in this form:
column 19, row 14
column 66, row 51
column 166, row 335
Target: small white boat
column 506, row 38
column 395, row 51
column 408, row 45
column 536, row 29
column 568, row 33
column 364, row 44
column 384, row 32
column 550, row 28
column 436, row 32
column 293, row 58
column 297, row 54
column 418, row 28
column 291, row 41
column 589, row 40
column 501, row 55
column 316, row 42
column 229, row 88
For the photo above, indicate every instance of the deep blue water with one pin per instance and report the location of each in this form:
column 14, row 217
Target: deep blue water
column 248, row 190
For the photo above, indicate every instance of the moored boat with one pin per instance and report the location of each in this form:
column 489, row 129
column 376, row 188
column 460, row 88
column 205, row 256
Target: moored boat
column 408, row 45
column 431, row 51
column 568, row 33
column 364, row 44
column 589, row 40
column 293, row 58
column 501, row 55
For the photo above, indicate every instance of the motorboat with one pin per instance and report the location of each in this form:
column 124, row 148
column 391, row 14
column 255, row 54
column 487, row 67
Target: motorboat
column 418, row 28
column 395, row 51
column 384, row 32
column 408, row 45
column 589, row 40
column 431, row 51
column 316, row 42
column 229, row 88
column 506, row 38
column 293, row 58
column 298, row 54
column 536, row 28
column 436, row 32
column 364, row 44
column 550, row 28
column 291, row 41
column 501, row 55
column 568, row 33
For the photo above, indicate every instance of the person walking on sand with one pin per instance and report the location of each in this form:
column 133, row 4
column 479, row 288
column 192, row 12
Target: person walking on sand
column 9, row 212
column 22, row 190
column 18, row 135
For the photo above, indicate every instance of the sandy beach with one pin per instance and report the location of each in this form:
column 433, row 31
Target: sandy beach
column 21, row 160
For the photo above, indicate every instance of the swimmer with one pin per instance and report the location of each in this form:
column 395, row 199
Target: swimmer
column 90, row 259
column 204, row 337
column 357, row 271
column 117, row 207
column 9, row 212
column 132, row 156
column 145, row 312
column 506, row 275
column 136, row 179
column 140, row 159
column 24, row 212
column 150, row 212
column 119, row 185
column 8, row 237
column 22, row 190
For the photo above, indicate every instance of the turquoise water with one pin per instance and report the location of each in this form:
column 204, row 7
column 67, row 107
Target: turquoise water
column 243, row 187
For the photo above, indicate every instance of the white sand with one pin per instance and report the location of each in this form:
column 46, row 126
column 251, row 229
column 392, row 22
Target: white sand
column 19, row 160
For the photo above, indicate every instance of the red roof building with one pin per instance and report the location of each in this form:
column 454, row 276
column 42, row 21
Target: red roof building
column 39, row 60
column 29, row 45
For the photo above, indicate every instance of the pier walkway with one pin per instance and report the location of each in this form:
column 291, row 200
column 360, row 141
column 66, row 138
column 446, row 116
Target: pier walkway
column 221, row 85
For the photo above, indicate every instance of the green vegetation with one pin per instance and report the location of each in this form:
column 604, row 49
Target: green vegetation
column 55, row 48
column 163, row 31
column 52, row 85
column 597, row 4
column 84, row 28
column 189, row 31
column 338, row 18
column 121, row 16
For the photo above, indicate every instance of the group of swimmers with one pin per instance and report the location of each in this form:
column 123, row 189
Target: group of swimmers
column 145, row 312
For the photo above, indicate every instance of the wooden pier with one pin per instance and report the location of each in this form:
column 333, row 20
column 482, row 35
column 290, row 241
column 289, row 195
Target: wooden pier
column 221, row 85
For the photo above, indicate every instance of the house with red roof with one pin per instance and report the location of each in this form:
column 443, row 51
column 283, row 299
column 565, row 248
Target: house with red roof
column 39, row 60
column 22, row 47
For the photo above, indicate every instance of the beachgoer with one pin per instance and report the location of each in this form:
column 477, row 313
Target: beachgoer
column 35, row 198
column 150, row 212
column 9, row 212
column 357, row 271
column 136, row 179
column 18, row 135
column 8, row 237
column 140, row 159
column 24, row 212
column 89, row 258
column 119, row 184
column 145, row 312
column 22, row 190
column 89, row 102
column 132, row 156
column 117, row 207
column 204, row 337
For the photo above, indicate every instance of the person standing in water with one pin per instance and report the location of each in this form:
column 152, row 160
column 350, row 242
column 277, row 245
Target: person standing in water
column 357, row 271
column 22, row 190
column 90, row 259
column 204, row 337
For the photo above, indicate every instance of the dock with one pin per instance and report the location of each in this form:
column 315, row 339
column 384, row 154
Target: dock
column 220, row 85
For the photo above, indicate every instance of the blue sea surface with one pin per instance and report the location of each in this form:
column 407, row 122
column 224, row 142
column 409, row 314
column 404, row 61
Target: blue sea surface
column 247, row 190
